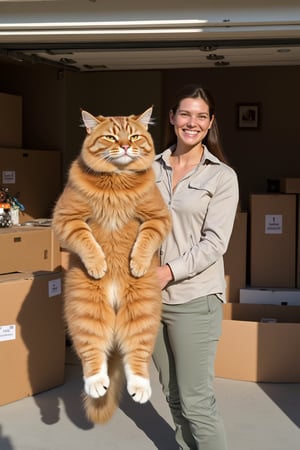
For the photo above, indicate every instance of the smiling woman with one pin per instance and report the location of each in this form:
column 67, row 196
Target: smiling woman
column 202, row 194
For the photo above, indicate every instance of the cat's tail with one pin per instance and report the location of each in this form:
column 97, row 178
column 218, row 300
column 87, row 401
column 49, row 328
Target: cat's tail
column 101, row 410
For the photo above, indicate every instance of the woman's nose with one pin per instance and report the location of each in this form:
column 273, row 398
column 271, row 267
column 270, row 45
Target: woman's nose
column 191, row 121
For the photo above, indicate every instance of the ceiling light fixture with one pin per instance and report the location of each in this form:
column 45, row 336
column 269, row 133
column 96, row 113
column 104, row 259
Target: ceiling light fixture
column 100, row 32
column 214, row 57
column 126, row 27
column 138, row 27
column 104, row 24
column 208, row 48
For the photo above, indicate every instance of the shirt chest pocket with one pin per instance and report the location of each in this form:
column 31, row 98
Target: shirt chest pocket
column 208, row 187
column 192, row 203
column 198, row 199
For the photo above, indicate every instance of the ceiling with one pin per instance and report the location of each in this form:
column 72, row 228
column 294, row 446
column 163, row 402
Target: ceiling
column 102, row 35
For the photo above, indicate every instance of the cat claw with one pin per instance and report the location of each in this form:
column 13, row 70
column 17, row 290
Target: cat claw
column 96, row 385
column 139, row 389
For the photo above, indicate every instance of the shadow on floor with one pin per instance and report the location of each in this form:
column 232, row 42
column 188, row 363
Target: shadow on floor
column 150, row 422
column 287, row 399
column 49, row 402
column 5, row 443
column 144, row 416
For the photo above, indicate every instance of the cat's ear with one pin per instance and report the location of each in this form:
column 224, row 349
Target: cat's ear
column 145, row 118
column 89, row 121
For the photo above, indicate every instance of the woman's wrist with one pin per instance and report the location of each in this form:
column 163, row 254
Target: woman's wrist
column 171, row 276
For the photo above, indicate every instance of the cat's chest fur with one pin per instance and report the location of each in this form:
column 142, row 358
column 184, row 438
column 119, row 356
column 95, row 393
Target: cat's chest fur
column 111, row 212
column 113, row 200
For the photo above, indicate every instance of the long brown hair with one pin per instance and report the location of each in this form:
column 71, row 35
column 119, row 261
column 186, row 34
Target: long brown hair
column 212, row 139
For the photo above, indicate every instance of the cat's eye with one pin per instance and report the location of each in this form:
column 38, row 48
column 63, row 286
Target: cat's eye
column 134, row 137
column 110, row 138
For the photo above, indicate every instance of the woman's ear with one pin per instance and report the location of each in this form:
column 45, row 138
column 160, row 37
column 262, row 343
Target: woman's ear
column 211, row 121
column 171, row 117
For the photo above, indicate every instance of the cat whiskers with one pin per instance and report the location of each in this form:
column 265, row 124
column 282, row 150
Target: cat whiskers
column 115, row 156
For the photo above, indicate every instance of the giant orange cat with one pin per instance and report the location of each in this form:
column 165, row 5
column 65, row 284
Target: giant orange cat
column 112, row 219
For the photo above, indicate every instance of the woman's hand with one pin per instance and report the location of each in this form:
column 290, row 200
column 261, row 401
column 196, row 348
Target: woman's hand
column 164, row 275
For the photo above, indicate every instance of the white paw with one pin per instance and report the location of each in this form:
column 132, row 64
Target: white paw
column 137, row 269
column 139, row 388
column 97, row 270
column 96, row 385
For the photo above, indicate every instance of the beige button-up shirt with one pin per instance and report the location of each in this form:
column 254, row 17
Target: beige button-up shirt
column 203, row 207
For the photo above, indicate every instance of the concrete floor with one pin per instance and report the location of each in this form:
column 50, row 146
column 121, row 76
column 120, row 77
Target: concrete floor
column 260, row 416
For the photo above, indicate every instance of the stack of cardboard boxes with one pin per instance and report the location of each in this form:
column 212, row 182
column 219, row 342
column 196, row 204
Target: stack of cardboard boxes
column 32, row 331
column 33, row 176
column 262, row 324
column 273, row 250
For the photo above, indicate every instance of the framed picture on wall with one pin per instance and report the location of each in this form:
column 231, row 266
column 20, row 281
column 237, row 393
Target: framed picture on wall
column 248, row 115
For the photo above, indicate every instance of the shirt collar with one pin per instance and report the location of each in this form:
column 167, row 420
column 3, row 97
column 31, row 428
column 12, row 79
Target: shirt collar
column 206, row 157
column 209, row 157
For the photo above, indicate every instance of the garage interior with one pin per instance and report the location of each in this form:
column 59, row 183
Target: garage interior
column 119, row 58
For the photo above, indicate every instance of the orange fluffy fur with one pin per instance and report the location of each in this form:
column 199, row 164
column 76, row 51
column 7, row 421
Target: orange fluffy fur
column 112, row 219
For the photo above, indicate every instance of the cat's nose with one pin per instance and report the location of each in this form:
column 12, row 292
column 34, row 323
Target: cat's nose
column 125, row 147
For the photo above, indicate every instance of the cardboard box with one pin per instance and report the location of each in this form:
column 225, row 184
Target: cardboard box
column 273, row 240
column 34, row 176
column 26, row 249
column 32, row 334
column 235, row 259
column 11, row 120
column 290, row 185
column 251, row 350
column 269, row 296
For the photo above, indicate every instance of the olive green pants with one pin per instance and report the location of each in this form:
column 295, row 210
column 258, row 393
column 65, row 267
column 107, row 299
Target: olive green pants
column 184, row 356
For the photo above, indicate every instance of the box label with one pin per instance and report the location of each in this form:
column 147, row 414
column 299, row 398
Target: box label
column 54, row 287
column 273, row 224
column 8, row 177
column 7, row 332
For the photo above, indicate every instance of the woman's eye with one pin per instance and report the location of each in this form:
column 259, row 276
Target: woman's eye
column 135, row 137
column 110, row 138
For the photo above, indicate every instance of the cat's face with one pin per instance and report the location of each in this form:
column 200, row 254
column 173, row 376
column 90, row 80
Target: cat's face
column 115, row 144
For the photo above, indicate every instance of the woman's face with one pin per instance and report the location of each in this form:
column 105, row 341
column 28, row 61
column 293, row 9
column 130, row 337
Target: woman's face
column 191, row 121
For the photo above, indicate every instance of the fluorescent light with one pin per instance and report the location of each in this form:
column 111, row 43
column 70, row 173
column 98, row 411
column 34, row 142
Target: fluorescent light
column 105, row 24
column 132, row 27
column 97, row 32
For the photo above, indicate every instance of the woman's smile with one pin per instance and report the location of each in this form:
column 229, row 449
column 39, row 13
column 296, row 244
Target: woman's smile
column 191, row 121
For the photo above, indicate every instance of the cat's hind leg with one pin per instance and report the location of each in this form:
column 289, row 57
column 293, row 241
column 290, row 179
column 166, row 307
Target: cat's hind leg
column 137, row 325
column 91, row 320
column 96, row 385
column 138, row 387
column 101, row 409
